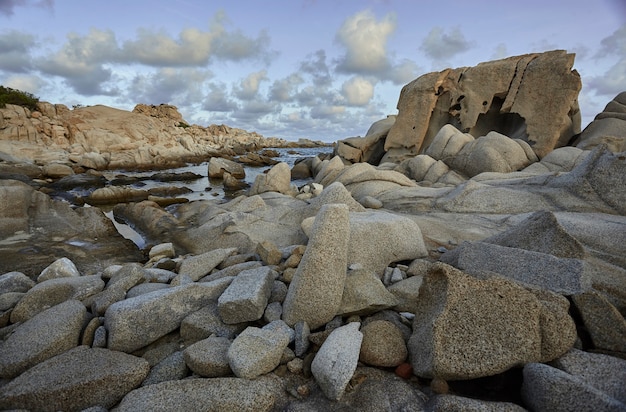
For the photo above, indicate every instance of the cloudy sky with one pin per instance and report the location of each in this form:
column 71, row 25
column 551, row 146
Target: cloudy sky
column 318, row 69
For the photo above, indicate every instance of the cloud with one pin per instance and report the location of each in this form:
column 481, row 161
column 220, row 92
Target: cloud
column 181, row 87
column 365, row 41
column 358, row 91
column 315, row 66
column 248, row 88
column 192, row 47
column 441, row 46
column 500, row 52
column 7, row 6
column 15, row 48
column 404, row 72
column 284, row 90
column 613, row 45
column 610, row 83
column 30, row 84
column 217, row 99
column 332, row 113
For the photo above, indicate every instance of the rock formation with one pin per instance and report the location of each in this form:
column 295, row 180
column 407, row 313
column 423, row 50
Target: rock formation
column 532, row 97
column 489, row 279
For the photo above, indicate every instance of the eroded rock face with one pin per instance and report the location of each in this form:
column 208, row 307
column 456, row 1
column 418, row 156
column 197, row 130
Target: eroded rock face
column 608, row 127
column 503, row 95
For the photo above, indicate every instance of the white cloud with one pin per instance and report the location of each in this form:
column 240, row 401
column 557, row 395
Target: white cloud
column 404, row 72
column 327, row 112
column 192, row 47
column 358, row 91
column 365, row 41
column 27, row 83
column 441, row 46
column 248, row 88
column 610, row 83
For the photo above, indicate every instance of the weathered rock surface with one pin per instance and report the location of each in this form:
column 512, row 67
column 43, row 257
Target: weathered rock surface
column 500, row 95
column 137, row 322
column 45, row 335
column 75, row 380
column 337, row 359
column 315, row 293
column 218, row 394
column 467, row 328
column 607, row 127
column 383, row 344
column 209, row 357
column 246, row 297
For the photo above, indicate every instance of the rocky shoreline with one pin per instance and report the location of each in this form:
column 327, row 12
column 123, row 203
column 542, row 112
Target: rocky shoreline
column 448, row 270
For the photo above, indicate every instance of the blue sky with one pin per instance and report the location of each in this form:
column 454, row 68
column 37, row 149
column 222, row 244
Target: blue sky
column 317, row 69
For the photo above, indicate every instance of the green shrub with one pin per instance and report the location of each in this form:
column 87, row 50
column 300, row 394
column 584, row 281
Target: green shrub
column 183, row 125
column 17, row 97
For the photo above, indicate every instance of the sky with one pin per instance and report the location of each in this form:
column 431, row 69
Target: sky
column 316, row 69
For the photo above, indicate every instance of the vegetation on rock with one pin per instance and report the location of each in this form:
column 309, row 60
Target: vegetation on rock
column 17, row 97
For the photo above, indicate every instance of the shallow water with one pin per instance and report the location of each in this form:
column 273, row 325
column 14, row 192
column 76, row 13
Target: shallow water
column 205, row 188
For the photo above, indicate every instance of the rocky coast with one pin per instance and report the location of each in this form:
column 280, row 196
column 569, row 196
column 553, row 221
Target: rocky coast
column 466, row 254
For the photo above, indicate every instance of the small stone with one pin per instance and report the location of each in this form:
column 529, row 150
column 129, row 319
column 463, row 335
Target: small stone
column 273, row 311
column 162, row 250
column 296, row 365
column 269, row 252
column 404, row 370
column 439, row 386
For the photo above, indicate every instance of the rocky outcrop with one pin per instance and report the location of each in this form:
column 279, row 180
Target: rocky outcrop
column 101, row 137
column 607, row 128
column 514, row 97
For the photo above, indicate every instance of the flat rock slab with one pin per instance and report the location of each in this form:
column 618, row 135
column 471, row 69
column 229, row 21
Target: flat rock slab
column 216, row 394
column 246, row 297
column 75, row 380
column 561, row 275
column 136, row 322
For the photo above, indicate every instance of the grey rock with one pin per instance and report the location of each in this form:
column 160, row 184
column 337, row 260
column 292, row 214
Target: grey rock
column 158, row 275
column 162, row 250
column 541, row 232
column 54, row 291
column 257, row 351
column 371, row 390
column 466, row 328
column 279, row 292
column 335, row 362
column 137, row 322
column 278, row 179
column 100, row 337
column 82, row 377
column 364, row 293
column 302, row 333
column 273, row 312
column 246, row 297
column 607, row 127
column 124, row 279
column 199, row 266
column 43, row 336
column 15, row 282
column 60, row 268
column 407, row 293
column 232, row 270
column 605, row 324
column 561, row 275
column 603, row 372
column 550, row 389
column 209, row 357
column 144, row 288
column 10, row 299
column 171, row 368
column 370, row 202
column 219, row 165
column 217, row 394
column 206, row 322
column 455, row 403
column 315, row 292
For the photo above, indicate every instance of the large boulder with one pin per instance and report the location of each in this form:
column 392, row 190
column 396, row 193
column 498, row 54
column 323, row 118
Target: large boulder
column 136, row 322
column 75, row 380
column 467, row 328
column 608, row 127
column 314, row 295
column 277, row 179
column 513, row 96
column 370, row 148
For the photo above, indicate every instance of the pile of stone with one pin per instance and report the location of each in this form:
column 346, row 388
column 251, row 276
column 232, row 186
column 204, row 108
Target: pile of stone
column 478, row 274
